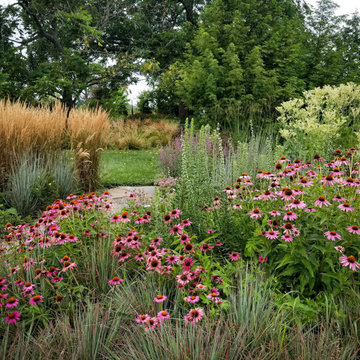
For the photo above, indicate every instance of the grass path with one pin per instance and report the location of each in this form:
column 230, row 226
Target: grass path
column 129, row 167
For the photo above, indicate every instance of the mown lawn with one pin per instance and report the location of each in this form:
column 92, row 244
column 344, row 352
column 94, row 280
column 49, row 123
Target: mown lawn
column 129, row 167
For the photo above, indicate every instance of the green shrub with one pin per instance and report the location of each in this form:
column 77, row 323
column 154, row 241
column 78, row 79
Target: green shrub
column 321, row 121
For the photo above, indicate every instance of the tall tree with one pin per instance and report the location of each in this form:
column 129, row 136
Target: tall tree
column 64, row 49
column 246, row 54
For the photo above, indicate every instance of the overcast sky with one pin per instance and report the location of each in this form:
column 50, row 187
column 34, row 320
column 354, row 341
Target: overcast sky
column 345, row 7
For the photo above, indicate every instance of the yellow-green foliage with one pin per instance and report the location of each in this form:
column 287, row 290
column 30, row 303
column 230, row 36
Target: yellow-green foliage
column 136, row 134
column 324, row 119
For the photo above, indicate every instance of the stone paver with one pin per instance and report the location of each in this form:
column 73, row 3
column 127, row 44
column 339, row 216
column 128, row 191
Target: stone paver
column 119, row 195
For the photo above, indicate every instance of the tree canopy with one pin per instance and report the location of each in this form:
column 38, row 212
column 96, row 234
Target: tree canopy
column 224, row 61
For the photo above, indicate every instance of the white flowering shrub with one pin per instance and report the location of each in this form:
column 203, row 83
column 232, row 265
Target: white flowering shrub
column 322, row 120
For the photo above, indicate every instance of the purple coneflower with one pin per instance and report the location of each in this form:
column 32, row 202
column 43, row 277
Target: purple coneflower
column 36, row 300
column 321, row 201
column 194, row 316
column 12, row 318
column 255, row 213
column 192, row 299
column 160, row 298
column 11, row 303
column 353, row 229
column 234, row 256
column 287, row 238
column 163, row 315
column 345, row 207
column 339, row 248
column 115, row 281
column 332, row 235
column 349, row 261
column 271, row 234
column 290, row 216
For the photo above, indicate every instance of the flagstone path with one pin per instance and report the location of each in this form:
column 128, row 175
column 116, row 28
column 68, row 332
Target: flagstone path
column 119, row 195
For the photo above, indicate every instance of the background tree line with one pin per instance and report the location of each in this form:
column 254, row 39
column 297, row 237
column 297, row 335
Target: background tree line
column 221, row 61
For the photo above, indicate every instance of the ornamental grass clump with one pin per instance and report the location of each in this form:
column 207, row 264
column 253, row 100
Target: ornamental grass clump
column 87, row 130
column 26, row 130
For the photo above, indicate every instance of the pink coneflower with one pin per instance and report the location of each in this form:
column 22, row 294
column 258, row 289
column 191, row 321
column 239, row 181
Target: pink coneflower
column 160, row 298
column 157, row 241
column 115, row 219
column 275, row 213
column 115, row 281
column 353, row 229
column 283, row 159
column 210, row 231
column 349, row 261
column 194, row 316
column 339, row 248
column 255, row 214
column 350, row 182
column 310, row 209
column 287, row 194
column 139, row 257
column 163, row 315
column 321, row 201
column 305, row 183
column 187, row 263
column 345, row 207
column 189, row 248
column 123, row 256
column 237, row 206
column 219, row 243
column 68, row 266
column 262, row 259
column 267, row 195
column 142, row 318
column 176, row 230
column 56, row 279
column 184, row 238
column 13, row 317
column 206, row 247
column 332, row 235
column 19, row 283
column 36, row 300
column 234, row 256
column 28, row 286
column 297, row 204
column 271, row 234
column 328, row 180
column 65, row 258
column 186, row 222
column 201, row 287
column 213, row 296
column 11, row 303
column 175, row 213
column 183, row 278
column 139, row 220
column 124, row 217
column 172, row 259
column 3, row 297
column 287, row 238
column 154, row 264
column 167, row 219
column 192, row 299
column 338, row 199
column 151, row 323
column 290, row 216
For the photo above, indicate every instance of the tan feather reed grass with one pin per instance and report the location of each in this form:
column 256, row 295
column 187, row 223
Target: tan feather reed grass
column 42, row 131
